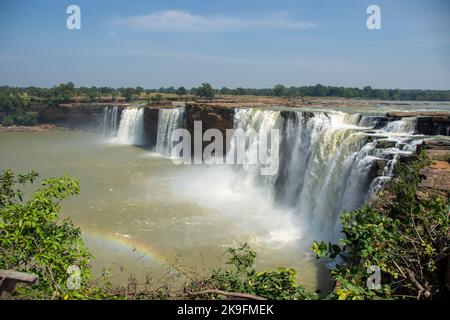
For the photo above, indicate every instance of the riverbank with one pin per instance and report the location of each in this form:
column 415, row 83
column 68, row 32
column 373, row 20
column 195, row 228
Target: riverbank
column 44, row 127
column 230, row 102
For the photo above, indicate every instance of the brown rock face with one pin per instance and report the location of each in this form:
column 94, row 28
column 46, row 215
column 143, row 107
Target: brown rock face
column 86, row 117
column 150, row 127
column 212, row 118
column 90, row 118
column 434, row 125
column 436, row 149
column 436, row 178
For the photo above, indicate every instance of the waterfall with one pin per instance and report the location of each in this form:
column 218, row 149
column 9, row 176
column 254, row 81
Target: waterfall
column 249, row 121
column 374, row 122
column 110, row 121
column 131, row 127
column 406, row 125
column 168, row 121
column 327, row 161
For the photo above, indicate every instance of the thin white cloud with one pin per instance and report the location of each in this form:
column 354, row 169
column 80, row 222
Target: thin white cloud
column 8, row 58
column 182, row 21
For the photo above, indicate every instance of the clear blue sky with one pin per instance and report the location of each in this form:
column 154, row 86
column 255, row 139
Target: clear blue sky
column 249, row 43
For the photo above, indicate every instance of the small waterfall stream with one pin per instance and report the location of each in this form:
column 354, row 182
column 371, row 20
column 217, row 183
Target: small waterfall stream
column 168, row 121
column 110, row 121
column 131, row 127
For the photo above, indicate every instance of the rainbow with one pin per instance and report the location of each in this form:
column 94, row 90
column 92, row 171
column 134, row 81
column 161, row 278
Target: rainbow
column 120, row 241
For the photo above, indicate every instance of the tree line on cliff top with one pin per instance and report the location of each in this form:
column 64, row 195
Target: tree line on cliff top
column 68, row 92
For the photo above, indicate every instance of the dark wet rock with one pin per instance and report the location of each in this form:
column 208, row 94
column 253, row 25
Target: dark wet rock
column 372, row 138
column 150, row 127
column 408, row 158
column 378, row 167
column 384, row 144
column 212, row 118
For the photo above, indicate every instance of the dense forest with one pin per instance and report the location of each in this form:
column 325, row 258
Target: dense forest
column 15, row 102
column 68, row 92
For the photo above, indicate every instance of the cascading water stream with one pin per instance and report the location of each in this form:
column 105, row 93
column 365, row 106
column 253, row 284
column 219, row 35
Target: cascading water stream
column 110, row 121
column 260, row 121
column 327, row 158
column 327, row 161
column 131, row 127
column 168, row 121
column 406, row 125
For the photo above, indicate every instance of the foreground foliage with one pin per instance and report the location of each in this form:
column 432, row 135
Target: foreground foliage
column 34, row 239
column 407, row 238
column 278, row 284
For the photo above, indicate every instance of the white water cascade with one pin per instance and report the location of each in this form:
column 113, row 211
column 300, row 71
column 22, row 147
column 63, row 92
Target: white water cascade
column 326, row 163
column 249, row 121
column 131, row 127
column 110, row 121
column 406, row 125
column 168, row 121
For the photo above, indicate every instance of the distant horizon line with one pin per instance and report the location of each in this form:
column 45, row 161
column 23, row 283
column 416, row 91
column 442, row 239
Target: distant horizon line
column 216, row 88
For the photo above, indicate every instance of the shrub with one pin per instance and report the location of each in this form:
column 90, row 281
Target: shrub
column 33, row 239
column 406, row 237
column 8, row 121
column 278, row 284
column 20, row 118
column 26, row 119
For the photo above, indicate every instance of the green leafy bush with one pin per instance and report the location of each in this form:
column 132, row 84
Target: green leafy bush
column 32, row 237
column 26, row 119
column 406, row 237
column 20, row 118
column 8, row 121
column 278, row 284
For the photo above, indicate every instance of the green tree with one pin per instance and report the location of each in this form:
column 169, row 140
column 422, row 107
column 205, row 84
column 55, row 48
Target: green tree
column 278, row 284
column 279, row 90
column 9, row 102
column 181, row 91
column 205, row 91
column 367, row 91
column 127, row 93
column 319, row 90
column 34, row 239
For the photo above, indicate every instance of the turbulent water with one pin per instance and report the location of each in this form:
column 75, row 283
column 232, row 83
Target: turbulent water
column 129, row 130
column 406, row 125
column 134, row 201
column 168, row 121
column 249, row 121
column 327, row 158
column 327, row 162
